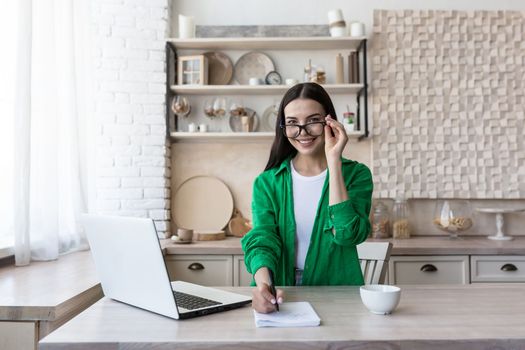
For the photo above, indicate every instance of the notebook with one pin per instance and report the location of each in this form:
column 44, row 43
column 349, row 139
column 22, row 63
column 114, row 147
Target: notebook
column 290, row 314
column 132, row 270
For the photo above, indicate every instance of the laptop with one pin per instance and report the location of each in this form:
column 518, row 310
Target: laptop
column 131, row 268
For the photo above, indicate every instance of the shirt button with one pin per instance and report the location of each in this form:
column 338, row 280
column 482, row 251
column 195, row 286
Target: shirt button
column 332, row 216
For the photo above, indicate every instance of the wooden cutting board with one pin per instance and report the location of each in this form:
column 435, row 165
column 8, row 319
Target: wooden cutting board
column 210, row 235
column 238, row 225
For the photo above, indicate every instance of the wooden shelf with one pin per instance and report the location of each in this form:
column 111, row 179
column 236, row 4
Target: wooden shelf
column 256, row 89
column 278, row 43
column 174, row 45
column 230, row 137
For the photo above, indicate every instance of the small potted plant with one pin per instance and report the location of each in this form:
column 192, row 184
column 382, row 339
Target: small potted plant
column 348, row 121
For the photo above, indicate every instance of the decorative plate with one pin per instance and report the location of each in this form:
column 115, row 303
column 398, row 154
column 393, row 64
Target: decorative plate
column 236, row 121
column 220, row 68
column 252, row 65
column 202, row 203
column 269, row 118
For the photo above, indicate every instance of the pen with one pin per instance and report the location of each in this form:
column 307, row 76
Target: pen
column 272, row 289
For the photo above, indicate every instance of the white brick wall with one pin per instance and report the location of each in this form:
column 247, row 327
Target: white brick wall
column 133, row 167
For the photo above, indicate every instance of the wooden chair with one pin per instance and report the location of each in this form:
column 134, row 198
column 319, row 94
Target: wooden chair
column 374, row 257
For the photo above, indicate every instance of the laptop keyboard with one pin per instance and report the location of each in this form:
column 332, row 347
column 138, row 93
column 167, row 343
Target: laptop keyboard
column 192, row 302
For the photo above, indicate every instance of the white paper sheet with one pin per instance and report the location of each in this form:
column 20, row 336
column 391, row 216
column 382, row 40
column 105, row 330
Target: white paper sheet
column 296, row 314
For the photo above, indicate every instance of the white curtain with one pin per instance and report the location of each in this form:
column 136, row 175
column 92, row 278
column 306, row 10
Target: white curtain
column 50, row 128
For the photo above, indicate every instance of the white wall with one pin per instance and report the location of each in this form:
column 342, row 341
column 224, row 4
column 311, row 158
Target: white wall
column 281, row 12
column 133, row 167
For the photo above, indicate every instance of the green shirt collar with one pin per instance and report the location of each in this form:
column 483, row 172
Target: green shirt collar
column 286, row 164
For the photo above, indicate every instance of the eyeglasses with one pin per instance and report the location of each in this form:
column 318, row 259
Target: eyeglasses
column 313, row 129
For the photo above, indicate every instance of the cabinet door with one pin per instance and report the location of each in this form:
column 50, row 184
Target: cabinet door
column 499, row 268
column 429, row 269
column 241, row 277
column 207, row 270
column 18, row 335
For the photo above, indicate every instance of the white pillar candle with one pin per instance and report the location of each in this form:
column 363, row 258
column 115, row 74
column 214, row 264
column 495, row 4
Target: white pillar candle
column 338, row 31
column 357, row 29
column 335, row 16
column 186, row 27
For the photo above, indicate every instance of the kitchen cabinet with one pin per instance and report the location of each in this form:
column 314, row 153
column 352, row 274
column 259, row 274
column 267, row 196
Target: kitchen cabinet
column 429, row 269
column 497, row 268
column 418, row 260
column 307, row 44
column 209, row 270
column 241, row 277
column 456, row 269
column 229, row 270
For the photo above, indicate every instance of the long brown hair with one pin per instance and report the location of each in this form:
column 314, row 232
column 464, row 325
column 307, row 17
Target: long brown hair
column 281, row 147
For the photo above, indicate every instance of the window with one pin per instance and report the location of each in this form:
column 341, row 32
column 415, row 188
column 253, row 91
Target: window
column 8, row 38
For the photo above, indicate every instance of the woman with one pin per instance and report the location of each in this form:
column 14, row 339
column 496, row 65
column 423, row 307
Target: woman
column 310, row 206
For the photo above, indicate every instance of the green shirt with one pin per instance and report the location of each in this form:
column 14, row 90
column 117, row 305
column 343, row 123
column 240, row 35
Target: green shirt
column 331, row 259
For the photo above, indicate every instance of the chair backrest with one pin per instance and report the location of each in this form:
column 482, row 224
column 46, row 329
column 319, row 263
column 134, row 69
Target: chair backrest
column 373, row 257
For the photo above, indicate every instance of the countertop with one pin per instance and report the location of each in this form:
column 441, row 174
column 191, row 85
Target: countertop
column 47, row 291
column 428, row 317
column 417, row 245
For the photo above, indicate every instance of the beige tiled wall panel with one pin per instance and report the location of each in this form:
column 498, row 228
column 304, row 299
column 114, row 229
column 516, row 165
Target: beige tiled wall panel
column 448, row 102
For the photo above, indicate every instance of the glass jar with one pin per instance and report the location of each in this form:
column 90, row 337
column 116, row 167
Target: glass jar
column 380, row 221
column 453, row 216
column 400, row 225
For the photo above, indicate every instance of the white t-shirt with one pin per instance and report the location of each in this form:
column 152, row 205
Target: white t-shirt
column 306, row 194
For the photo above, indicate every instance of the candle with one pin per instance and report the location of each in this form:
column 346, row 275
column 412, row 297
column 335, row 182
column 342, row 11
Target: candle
column 337, row 23
column 335, row 16
column 357, row 29
column 186, row 27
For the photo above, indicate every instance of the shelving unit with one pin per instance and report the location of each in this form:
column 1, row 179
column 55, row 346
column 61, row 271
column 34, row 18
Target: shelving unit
column 268, row 43
column 277, row 43
column 204, row 137
column 256, row 90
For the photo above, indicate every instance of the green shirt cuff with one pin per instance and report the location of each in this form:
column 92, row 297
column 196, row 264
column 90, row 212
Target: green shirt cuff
column 340, row 214
column 261, row 261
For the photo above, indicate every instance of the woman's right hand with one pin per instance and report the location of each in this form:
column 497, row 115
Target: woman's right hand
column 262, row 299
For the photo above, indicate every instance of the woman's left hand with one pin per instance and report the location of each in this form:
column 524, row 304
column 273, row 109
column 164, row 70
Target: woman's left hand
column 335, row 144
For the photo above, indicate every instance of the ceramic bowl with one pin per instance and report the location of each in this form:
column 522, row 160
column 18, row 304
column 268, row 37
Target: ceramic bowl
column 380, row 299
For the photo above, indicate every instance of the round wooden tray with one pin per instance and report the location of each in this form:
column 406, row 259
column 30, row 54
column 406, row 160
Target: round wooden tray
column 202, row 203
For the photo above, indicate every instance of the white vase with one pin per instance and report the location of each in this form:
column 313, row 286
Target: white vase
column 186, row 27
column 357, row 29
column 348, row 127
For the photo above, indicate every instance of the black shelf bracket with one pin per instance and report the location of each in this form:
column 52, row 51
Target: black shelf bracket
column 171, row 78
column 363, row 93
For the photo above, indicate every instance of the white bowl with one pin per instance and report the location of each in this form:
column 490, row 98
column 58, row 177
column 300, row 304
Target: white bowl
column 380, row 299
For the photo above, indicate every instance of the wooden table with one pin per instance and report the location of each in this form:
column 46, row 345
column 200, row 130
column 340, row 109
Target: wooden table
column 428, row 317
column 38, row 298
